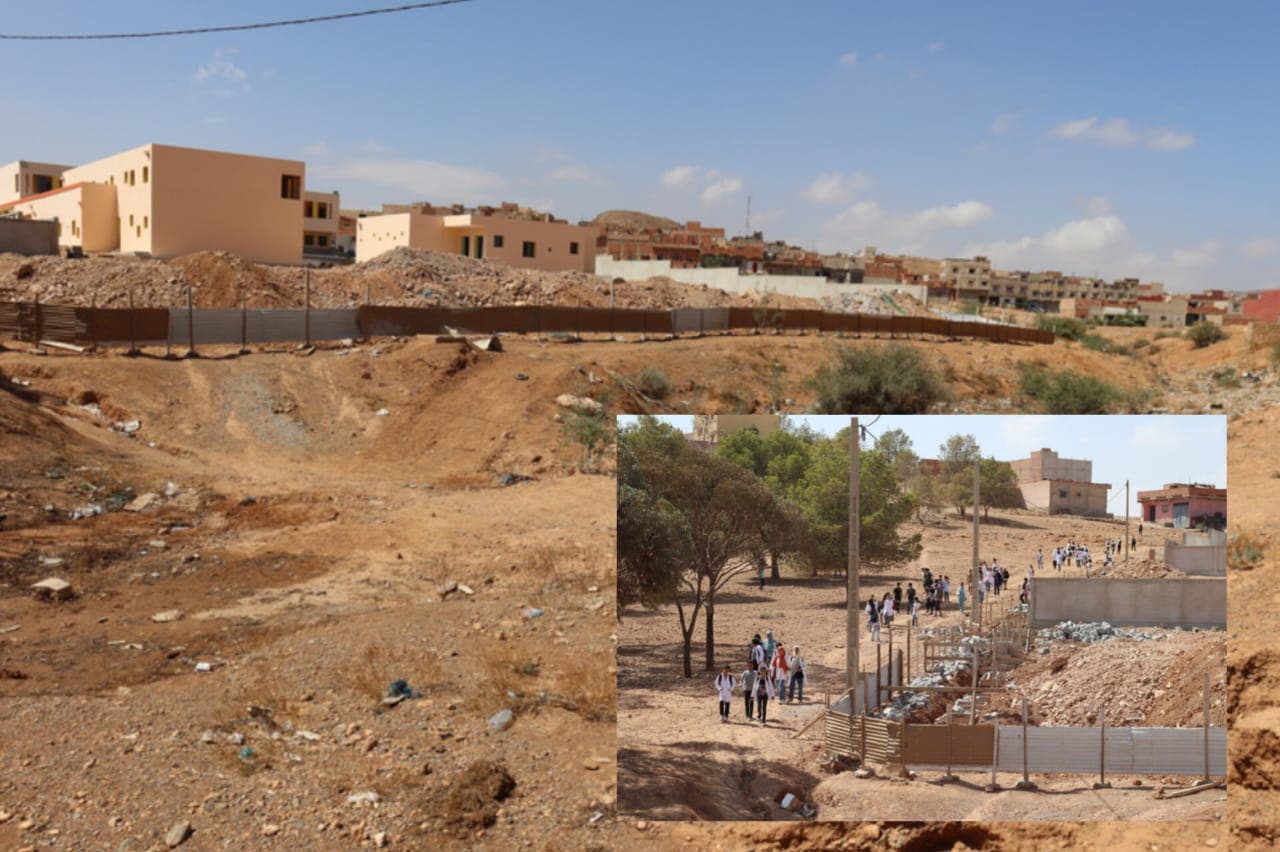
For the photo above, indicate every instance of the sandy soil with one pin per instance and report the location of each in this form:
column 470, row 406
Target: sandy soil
column 310, row 546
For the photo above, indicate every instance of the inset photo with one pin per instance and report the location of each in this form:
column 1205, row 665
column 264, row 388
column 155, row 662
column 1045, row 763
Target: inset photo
column 1026, row 623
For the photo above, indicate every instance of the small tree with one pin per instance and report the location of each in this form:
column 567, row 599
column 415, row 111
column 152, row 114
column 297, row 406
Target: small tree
column 593, row 430
column 1205, row 333
column 998, row 486
column 893, row 380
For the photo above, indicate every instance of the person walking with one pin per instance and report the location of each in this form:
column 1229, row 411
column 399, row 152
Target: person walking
column 1040, row 559
column 757, row 652
column 960, row 598
column 873, row 619
column 748, row 687
column 915, row 613
column 770, row 647
column 764, row 691
column 780, row 668
column 725, row 685
column 946, row 588
column 897, row 596
column 798, row 666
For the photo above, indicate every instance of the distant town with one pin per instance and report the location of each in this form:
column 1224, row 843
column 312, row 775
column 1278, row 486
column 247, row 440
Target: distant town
column 165, row 201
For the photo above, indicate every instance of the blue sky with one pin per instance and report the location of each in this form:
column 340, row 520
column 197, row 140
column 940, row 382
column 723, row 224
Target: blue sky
column 1148, row 451
column 1097, row 138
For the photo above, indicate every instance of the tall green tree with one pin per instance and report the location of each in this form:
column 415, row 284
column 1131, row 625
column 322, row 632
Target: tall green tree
column 998, row 486
column 958, row 455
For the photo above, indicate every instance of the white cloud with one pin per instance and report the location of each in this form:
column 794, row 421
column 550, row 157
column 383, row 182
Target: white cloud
column 1169, row 140
column 221, row 68
column 577, row 171
column 935, row 46
column 679, row 176
column 1099, row 205
column 1119, row 133
column 425, row 180
column 850, row 58
column 721, row 188
column 960, row 215
column 1002, row 124
column 1260, row 247
column 319, row 149
column 1199, row 255
column 866, row 222
column 715, row 185
column 836, row 188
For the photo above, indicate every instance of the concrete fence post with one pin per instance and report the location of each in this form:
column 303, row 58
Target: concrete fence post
column 949, row 777
column 244, row 323
column 39, row 329
column 1026, row 783
column 994, row 786
column 133, row 343
column 306, row 305
column 1206, row 727
column 191, row 326
column 1102, row 751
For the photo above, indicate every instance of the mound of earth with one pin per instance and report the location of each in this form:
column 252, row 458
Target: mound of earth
column 634, row 220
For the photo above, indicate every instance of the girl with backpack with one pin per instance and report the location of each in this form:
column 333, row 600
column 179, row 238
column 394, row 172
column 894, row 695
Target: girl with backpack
column 724, row 686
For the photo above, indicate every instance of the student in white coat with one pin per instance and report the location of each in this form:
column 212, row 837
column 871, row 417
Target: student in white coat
column 764, row 691
column 724, row 685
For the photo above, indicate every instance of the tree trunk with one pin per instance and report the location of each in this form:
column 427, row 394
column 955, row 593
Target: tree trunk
column 688, row 653
column 961, row 508
column 711, row 632
column 773, row 563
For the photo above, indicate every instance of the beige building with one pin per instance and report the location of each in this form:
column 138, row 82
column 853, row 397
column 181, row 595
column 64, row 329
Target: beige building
column 968, row 276
column 165, row 201
column 709, row 428
column 1060, row 486
column 319, row 221
column 24, row 178
column 1171, row 313
column 549, row 244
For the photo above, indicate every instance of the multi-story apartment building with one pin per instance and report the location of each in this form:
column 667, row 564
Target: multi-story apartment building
column 165, row 201
column 21, row 179
column 505, row 234
column 319, row 221
column 971, row 277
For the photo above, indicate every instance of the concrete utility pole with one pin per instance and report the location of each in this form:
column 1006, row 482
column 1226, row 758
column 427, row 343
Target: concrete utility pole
column 976, row 584
column 851, row 625
column 1126, row 521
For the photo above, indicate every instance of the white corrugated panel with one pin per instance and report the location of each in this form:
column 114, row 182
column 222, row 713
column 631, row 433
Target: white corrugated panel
column 277, row 325
column 1130, row 751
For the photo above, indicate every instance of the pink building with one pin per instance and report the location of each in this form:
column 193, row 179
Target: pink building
column 1182, row 504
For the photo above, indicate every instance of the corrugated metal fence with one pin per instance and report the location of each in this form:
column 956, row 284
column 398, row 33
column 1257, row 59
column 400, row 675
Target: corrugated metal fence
column 1078, row 750
column 32, row 321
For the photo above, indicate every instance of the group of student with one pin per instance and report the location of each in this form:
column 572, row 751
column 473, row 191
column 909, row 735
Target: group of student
column 772, row 671
column 909, row 602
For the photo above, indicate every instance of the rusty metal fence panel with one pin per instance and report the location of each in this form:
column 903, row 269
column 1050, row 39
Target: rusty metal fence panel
column 971, row 745
column 122, row 326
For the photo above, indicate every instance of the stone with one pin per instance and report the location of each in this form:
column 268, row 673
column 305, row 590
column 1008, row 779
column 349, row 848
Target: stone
column 209, row 737
column 368, row 797
column 380, row 839
column 579, row 403
column 53, row 588
column 392, row 700
column 270, row 830
column 167, row 616
column 178, row 834
column 501, row 720
column 142, row 502
column 235, row 738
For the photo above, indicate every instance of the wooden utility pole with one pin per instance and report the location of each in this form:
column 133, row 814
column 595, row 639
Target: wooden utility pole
column 976, row 585
column 191, row 320
column 306, row 305
column 852, row 662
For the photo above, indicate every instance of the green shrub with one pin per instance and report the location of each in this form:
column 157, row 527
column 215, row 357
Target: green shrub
column 1205, row 333
column 1068, row 392
column 893, row 379
column 1226, row 377
column 1141, row 343
column 653, row 382
column 1163, row 333
column 1068, row 327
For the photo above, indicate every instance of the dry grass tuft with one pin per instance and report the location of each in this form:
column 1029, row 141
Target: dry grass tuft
column 590, row 681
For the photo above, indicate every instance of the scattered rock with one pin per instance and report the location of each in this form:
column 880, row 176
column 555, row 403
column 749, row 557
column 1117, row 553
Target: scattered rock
column 142, row 502
column 178, row 834
column 54, row 589
column 368, row 797
column 501, row 720
column 270, row 830
column 167, row 616
column 579, row 403
column 531, row 612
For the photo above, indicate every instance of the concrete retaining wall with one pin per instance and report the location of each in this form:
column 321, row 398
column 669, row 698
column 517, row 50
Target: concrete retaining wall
column 28, row 236
column 1203, row 560
column 1177, row 602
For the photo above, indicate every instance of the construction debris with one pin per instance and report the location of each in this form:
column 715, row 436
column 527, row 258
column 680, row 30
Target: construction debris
column 53, row 589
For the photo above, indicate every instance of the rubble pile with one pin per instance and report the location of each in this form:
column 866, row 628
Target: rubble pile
column 1092, row 631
